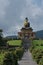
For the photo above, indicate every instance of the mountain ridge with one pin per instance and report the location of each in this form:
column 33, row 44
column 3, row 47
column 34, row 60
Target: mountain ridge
column 39, row 34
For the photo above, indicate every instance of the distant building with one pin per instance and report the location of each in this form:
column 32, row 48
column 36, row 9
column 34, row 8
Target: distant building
column 26, row 31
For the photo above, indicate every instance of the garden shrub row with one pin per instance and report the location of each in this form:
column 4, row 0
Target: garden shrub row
column 19, row 52
column 11, row 57
column 37, row 54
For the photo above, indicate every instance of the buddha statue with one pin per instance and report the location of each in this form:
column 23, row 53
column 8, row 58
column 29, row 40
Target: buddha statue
column 26, row 23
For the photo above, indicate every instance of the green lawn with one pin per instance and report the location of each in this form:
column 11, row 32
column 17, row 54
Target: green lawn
column 38, row 44
column 15, row 42
column 39, row 47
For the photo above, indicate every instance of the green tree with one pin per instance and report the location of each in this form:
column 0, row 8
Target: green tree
column 2, row 41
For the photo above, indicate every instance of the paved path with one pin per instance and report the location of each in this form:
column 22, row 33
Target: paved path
column 27, row 59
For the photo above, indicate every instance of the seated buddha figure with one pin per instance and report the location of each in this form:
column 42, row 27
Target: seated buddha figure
column 26, row 23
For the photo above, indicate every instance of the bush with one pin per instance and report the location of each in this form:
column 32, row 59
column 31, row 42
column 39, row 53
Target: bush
column 10, row 59
column 31, row 48
column 38, row 57
column 34, row 52
column 41, row 61
column 19, row 52
column 41, row 44
column 37, row 54
column 37, row 44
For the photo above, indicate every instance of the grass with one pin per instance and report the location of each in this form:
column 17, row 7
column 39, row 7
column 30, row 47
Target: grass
column 39, row 47
column 15, row 42
column 1, row 58
column 39, row 42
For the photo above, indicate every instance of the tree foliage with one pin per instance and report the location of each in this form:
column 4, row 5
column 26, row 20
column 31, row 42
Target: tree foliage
column 10, row 59
column 2, row 41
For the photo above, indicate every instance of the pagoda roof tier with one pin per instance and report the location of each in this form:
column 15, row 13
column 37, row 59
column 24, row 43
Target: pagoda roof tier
column 26, row 32
column 28, row 28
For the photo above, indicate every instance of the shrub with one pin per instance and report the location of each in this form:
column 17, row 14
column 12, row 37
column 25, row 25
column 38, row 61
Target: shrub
column 19, row 52
column 38, row 57
column 31, row 48
column 37, row 54
column 37, row 44
column 41, row 44
column 34, row 52
column 10, row 59
column 41, row 61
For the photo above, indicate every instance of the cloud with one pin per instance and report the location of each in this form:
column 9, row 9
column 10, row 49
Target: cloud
column 34, row 12
column 13, row 13
column 31, row 10
column 3, row 5
column 13, row 30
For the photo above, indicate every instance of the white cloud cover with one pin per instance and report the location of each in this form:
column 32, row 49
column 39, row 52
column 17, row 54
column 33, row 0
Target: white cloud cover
column 31, row 10
column 3, row 5
column 34, row 13
column 13, row 12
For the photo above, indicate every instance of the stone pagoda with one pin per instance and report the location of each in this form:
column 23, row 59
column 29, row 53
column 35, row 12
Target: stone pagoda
column 26, row 31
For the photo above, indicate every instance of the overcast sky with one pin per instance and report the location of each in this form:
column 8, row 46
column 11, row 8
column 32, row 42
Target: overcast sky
column 13, row 13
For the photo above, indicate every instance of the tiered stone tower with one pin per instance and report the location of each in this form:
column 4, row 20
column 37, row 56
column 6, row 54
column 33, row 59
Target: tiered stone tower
column 26, row 31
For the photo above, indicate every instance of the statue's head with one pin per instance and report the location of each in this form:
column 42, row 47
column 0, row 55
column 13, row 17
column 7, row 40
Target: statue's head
column 26, row 19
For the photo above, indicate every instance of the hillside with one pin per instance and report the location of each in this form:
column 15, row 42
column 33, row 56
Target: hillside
column 39, row 34
column 12, row 37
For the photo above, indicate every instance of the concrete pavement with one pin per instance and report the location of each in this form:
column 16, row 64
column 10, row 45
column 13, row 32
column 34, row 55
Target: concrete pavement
column 27, row 59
